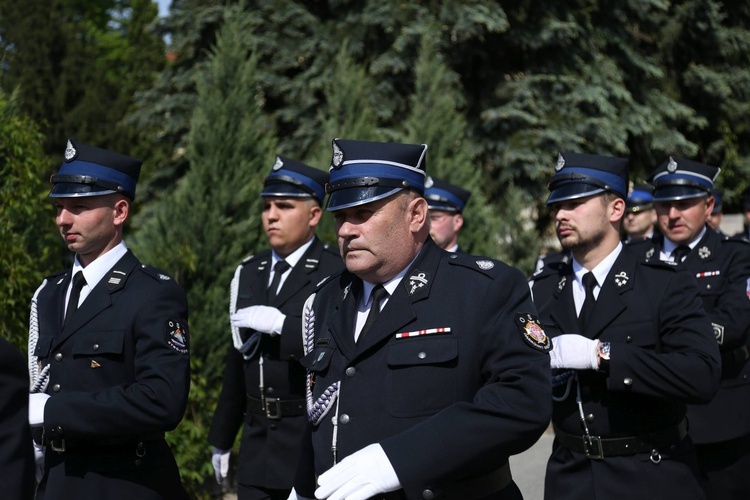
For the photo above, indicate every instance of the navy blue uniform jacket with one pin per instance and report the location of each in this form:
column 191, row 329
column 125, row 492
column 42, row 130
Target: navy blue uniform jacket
column 270, row 448
column 119, row 375
column 721, row 267
column 16, row 453
column 447, row 406
column 662, row 356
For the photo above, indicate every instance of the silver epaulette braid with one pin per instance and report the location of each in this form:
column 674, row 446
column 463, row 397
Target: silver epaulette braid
column 317, row 409
column 38, row 376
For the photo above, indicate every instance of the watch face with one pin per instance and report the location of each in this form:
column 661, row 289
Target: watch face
column 604, row 350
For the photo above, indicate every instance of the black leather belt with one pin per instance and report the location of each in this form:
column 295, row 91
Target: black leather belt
column 597, row 447
column 275, row 408
column 62, row 445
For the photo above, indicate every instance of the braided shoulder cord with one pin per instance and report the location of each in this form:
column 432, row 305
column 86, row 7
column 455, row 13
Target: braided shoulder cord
column 38, row 378
column 318, row 409
column 233, row 292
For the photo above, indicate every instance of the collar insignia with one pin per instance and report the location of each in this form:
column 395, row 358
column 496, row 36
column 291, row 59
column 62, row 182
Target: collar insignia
column 650, row 253
column 416, row 281
column 561, row 285
column 704, row 252
column 621, row 279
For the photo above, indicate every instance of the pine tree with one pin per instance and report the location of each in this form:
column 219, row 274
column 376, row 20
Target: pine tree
column 29, row 246
column 211, row 222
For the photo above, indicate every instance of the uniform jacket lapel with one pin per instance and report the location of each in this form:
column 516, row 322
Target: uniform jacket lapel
column 609, row 304
column 100, row 297
column 299, row 276
column 343, row 319
column 414, row 287
column 562, row 307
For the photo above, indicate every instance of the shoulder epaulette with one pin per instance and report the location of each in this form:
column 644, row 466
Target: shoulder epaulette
column 332, row 249
column 484, row 265
column 327, row 279
column 155, row 273
column 737, row 239
column 661, row 264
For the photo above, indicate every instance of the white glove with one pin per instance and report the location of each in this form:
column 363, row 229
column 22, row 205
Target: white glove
column 359, row 476
column 264, row 319
column 574, row 351
column 220, row 461
column 37, row 401
column 39, row 459
column 294, row 496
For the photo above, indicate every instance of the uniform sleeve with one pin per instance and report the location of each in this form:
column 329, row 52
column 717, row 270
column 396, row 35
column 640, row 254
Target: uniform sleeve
column 505, row 417
column 686, row 367
column 16, row 453
column 732, row 308
column 230, row 410
column 156, row 399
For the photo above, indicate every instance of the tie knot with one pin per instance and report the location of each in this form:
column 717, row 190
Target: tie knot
column 680, row 252
column 378, row 293
column 589, row 281
column 79, row 280
column 281, row 267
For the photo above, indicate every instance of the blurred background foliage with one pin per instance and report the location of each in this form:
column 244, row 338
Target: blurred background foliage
column 210, row 93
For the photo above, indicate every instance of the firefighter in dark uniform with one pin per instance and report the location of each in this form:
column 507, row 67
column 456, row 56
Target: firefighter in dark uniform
column 16, row 451
column 264, row 383
column 446, row 203
column 640, row 215
column 721, row 268
column 631, row 346
column 108, row 346
column 430, row 396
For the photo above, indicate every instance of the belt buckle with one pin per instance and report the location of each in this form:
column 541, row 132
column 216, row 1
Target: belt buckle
column 592, row 447
column 277, row 403
column 58, row 449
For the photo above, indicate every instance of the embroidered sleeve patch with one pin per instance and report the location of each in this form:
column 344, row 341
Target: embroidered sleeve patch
column 532, row 332
column 177, row 336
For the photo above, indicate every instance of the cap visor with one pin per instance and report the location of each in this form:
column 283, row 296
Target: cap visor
column 676, row 193
column 572, row 191
column 283, row 189
column 73, row 190
column 352, row 197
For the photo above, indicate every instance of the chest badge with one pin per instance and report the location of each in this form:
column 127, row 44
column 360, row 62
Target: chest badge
column 704, row 252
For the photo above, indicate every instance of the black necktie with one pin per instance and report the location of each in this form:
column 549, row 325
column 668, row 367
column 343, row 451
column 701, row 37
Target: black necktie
column 278, row 270
column 589, row 282
column 378, row 293
column 680, row 252
column 75, row 294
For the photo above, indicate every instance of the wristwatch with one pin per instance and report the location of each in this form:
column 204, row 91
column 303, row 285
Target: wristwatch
column 603, row 353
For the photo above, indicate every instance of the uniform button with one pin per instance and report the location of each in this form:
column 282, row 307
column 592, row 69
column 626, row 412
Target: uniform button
column 344, row 419
column 270, row 390
column 628, row 339
column 422, row 355
column 56, row 387
column 428, row 495
column 96, row 347
column 708, row 287
column 58, row 356
column 627, row 381
column 350, row 371
column 590, row 417
column 454, row 256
